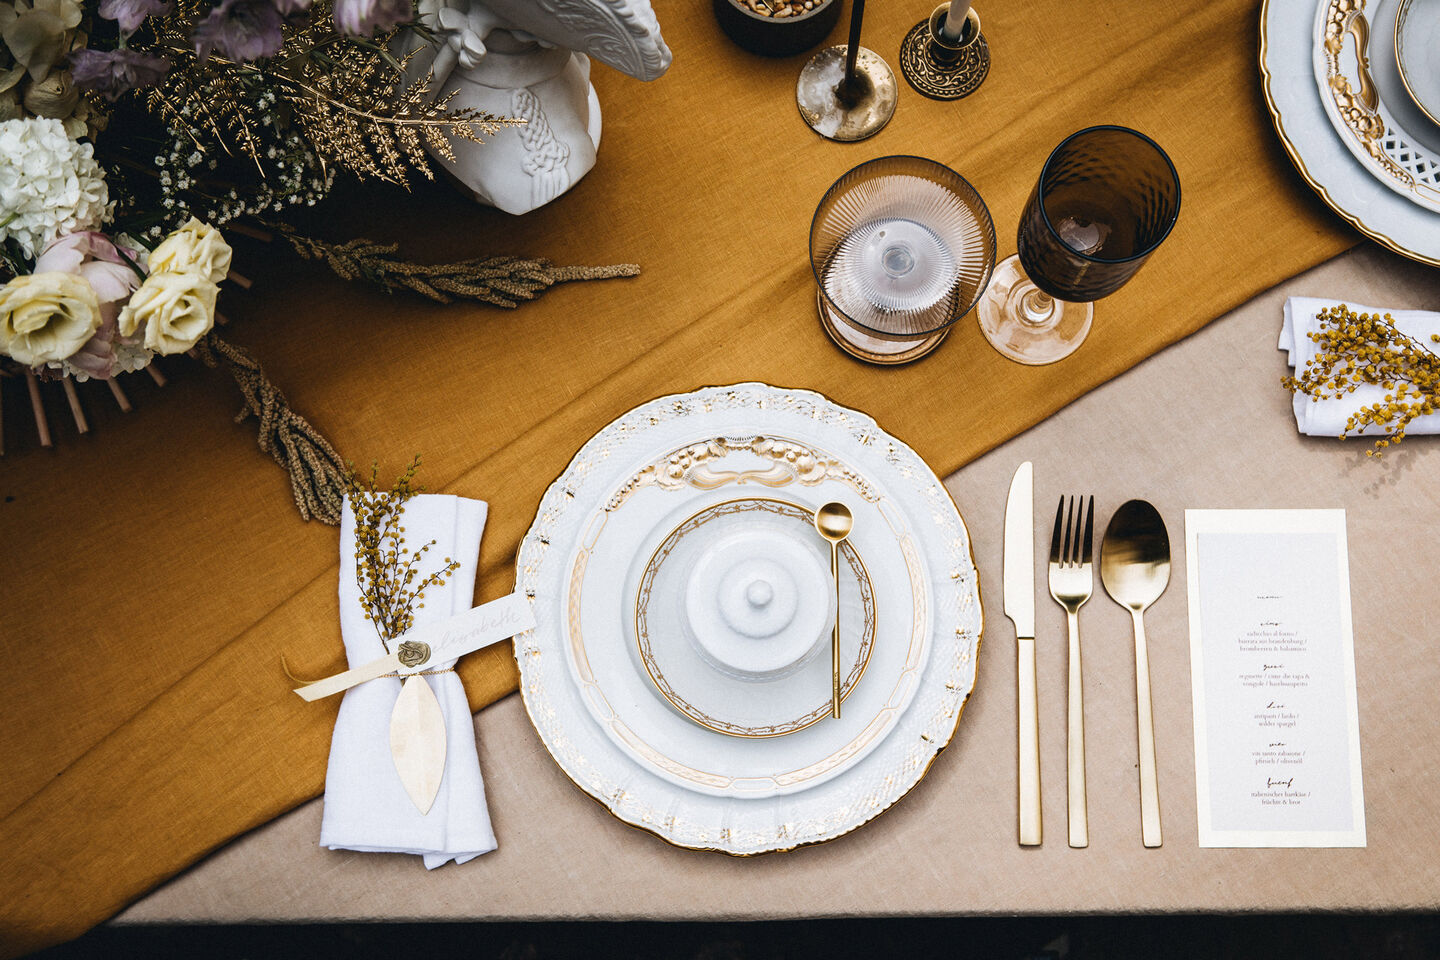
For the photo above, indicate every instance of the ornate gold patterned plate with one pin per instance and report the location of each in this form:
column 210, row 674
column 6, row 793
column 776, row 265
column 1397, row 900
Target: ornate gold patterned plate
column 1366, row 101
column 1323, row 159
column 734, row 609
column 582, row 677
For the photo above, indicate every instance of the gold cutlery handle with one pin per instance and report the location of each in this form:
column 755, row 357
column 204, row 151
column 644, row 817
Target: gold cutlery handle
column 835, row 634
column 1075, row 756
column 1145, row 725
column 1029, row 742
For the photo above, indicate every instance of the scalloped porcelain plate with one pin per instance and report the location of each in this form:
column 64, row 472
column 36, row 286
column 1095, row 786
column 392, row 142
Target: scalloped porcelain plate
column 1364, row 95
column 1287, row 50
column 755, row 672
column 589, row 696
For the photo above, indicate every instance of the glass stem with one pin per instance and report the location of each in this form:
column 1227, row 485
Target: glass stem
column 1037, row 307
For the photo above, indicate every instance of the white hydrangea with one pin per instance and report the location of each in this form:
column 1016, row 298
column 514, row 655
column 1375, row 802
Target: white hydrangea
column 50, row 185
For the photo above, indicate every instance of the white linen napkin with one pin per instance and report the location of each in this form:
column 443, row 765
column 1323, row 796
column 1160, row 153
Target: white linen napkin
column 1326, row 418
column 366, row 806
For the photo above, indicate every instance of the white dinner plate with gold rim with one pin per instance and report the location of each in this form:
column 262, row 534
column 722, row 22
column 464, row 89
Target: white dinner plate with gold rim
column 752, row 700
column 1357, row 74
column 586, row 696
column 1321, row 157
column 603, row 648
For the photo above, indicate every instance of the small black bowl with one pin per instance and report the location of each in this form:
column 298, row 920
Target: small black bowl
column 776, row 38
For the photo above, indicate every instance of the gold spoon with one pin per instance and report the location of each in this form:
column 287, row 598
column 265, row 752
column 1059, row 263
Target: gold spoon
column 1135, row 568
column 834, row 522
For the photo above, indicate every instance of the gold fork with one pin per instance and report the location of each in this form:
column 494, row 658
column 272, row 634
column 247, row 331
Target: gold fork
column 1071, row 583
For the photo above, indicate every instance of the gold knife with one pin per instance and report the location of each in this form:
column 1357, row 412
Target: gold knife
column 1020, row 607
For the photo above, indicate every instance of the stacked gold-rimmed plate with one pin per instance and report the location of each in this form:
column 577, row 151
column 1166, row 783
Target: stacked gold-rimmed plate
column 1331, row 81
column 681, row 611
column 606, row 719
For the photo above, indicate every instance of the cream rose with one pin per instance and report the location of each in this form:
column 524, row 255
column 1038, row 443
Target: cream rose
column 47, row 317
column 176, row 309
column 194, row 248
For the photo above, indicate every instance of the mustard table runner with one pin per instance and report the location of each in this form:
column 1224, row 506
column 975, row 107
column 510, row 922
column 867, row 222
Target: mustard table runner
column 159, row 564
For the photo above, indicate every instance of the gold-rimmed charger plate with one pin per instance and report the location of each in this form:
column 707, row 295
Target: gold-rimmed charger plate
column 726, row 704
column 582, row 698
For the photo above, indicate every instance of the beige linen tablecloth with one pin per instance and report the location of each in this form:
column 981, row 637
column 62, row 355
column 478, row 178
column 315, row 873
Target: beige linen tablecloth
column 1203, row 424
column 159, row 564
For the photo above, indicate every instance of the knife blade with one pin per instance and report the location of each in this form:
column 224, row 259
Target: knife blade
column 1020, row 552
column 1020, row 608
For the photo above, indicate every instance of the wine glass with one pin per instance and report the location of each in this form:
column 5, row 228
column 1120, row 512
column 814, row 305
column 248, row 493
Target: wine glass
column 1106, row 198
column 901, row 247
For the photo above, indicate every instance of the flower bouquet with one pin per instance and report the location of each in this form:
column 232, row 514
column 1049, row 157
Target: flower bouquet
column 132, row 132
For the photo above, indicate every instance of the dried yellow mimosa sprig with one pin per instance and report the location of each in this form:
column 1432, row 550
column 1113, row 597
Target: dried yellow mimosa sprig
column 1368, row 348
column 385, row 570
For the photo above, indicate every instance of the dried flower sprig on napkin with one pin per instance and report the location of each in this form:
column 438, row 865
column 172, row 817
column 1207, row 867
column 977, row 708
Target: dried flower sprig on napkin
column 1367, row 348
column 385, row 569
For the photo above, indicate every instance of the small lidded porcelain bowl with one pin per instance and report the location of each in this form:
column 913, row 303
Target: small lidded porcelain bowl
column 758, row 605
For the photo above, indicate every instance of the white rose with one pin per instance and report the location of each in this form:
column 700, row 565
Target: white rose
column 194, row 248
column 47, row 317
column 176, row 310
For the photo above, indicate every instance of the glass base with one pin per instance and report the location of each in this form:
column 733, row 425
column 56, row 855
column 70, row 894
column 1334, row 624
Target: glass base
column 862, row 346
column 1025, row 324
column 861, row 115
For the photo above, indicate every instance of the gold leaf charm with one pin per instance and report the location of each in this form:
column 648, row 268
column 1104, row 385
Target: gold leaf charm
column 417, row 741
column 412, row 653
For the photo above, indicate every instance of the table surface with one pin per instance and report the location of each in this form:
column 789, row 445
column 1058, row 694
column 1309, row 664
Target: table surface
column 1203, row 424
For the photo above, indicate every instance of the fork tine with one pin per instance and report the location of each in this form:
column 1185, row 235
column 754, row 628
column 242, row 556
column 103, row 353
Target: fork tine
column 1089, row 530
column 1055, row 537
column 1070, row 510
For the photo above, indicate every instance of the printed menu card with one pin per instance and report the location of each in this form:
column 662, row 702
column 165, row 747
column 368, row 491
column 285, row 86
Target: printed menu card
column 1272, row 659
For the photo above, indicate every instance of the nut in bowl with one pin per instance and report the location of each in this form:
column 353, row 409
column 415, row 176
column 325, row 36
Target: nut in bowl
column 777, row 28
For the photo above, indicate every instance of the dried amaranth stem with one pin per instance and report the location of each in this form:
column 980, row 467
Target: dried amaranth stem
column 502, row 281
column 386, row 570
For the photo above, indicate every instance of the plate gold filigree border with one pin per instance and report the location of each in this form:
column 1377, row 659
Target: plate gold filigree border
column 1393, row 151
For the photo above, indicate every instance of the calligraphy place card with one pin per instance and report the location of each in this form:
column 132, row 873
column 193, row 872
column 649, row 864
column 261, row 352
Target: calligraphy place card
column 1277, row 732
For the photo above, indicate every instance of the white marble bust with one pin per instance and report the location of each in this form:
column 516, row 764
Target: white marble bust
column 530, row 59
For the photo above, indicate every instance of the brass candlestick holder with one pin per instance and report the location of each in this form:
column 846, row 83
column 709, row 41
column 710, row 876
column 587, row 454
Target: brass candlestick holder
column 941, row 68
column 847, row 93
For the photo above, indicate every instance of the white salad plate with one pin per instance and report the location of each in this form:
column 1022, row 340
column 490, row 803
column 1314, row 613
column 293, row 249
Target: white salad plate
column 1287, row 66
column 734, row 609
column 599, row 528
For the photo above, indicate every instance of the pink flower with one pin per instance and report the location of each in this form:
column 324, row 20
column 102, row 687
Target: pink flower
column 92, row 256
column 365, row 18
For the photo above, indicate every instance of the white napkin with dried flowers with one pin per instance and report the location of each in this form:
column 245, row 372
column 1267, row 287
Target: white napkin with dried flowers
column 1327, row 418
column 367, row 807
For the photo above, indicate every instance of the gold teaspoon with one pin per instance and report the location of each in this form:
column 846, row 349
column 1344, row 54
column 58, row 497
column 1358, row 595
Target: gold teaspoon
column 1135, row 568
column 834, row 522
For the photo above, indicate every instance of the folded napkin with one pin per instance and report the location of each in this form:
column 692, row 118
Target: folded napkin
column 366, row 806
column 1326, row 418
